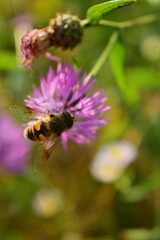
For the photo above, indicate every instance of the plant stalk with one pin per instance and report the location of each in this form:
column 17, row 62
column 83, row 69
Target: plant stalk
column 103, row 57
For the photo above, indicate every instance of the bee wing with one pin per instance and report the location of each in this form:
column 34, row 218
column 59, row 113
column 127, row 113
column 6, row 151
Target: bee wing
column 44, row 152
column 20, row 112
column 23, row 113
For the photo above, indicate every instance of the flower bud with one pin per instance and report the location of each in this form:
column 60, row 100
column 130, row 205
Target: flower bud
column 67, row 31
column 34, row 43
column 63, row 31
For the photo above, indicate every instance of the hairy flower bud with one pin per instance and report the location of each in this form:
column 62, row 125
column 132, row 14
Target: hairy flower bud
column 34, row 43
column 64, row 31
column 67, row 31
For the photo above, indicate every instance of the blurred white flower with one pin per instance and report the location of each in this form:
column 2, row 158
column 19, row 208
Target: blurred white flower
column 105, row 171
column 48, row 202
column 111, row 160
column 150, row 48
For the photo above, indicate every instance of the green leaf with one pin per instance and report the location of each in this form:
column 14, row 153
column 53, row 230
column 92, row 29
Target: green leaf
column 117, row 59
column 142, row 190
column 95, row 13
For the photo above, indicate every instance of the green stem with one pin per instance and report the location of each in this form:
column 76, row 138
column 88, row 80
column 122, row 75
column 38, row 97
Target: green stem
column 85, row 22
column 131, row 23
column 126, row 24
column 105, row 54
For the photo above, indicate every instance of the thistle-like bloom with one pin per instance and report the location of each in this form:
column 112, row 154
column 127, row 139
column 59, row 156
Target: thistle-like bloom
column 65, row 90
column 14, row 150
column 64, row 31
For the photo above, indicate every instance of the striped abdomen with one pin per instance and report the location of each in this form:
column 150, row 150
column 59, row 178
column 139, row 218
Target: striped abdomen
column 39, row 131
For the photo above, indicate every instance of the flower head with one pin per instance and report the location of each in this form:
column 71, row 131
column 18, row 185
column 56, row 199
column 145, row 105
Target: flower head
column 65, row 90
column 13, row 148
column 33, row 44
column 48, row 202
column 111, row 160
column 63, row 31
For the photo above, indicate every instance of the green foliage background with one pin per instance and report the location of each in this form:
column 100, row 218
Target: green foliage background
column 128, row 209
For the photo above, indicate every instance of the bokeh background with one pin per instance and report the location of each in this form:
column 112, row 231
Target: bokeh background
column 77, row 195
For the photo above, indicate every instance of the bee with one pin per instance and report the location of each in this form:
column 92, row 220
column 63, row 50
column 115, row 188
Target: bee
column 46, row 129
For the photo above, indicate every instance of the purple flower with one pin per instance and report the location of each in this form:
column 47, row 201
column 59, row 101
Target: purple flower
column 65, row 90
column 13, row 147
